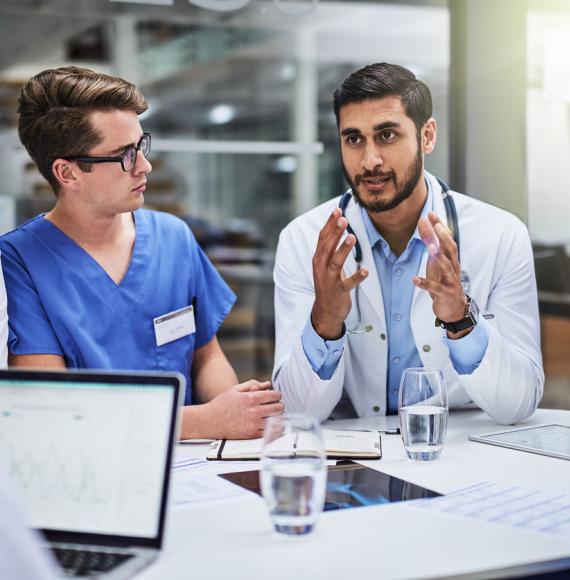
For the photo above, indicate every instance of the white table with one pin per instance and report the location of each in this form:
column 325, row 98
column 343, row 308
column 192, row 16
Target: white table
column 234, row 540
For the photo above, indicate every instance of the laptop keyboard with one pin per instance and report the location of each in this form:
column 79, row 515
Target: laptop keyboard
column 86, row 562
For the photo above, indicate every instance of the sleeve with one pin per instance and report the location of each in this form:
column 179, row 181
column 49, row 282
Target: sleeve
column 468, row 352
column 3, row 323
column 509, row 382
column 30, row 331
column 323, row 355
column 212, row 299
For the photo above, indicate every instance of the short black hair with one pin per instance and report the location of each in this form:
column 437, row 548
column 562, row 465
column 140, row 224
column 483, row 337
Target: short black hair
column 376, row 81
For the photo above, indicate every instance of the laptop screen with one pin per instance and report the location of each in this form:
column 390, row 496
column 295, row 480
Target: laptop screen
column 89, row 455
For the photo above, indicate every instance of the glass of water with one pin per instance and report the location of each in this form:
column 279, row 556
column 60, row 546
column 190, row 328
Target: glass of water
column 293, row 472
column 422, row 406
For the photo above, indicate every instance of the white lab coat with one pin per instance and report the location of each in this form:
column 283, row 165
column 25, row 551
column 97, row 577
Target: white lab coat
column 3, row 323
column 496, row 254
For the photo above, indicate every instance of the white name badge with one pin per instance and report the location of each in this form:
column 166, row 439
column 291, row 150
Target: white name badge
column 174, row 325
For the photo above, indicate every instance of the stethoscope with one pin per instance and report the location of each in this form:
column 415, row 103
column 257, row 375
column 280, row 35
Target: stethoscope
column 452, row 224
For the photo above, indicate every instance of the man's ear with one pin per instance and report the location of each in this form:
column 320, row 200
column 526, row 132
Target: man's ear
column 429, row 136
column 65, row 172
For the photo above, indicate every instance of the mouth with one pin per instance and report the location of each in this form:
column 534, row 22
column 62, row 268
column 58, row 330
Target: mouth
column 140, row 188
column 376, row 183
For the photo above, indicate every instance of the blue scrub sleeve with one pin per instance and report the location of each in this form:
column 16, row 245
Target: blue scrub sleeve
column 468, row 352
column 30, row 331
column 213, row 298
column 323, row 355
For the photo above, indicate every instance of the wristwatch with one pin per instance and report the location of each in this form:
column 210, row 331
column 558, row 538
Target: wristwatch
column 468, row 321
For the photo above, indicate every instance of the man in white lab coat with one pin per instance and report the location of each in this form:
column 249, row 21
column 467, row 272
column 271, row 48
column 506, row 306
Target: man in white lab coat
column 365, row 291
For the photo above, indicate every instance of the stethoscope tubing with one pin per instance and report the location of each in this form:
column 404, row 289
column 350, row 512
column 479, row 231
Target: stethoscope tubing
column 452, row 223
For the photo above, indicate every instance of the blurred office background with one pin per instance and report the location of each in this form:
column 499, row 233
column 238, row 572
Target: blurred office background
column 244, row 138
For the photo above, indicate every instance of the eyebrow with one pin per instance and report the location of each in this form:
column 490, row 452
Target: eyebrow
column 376, row 128
column 124, row 147
column 387, row 125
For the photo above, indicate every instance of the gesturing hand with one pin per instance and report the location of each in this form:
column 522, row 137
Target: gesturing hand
column 443, row 274
column 332, row 287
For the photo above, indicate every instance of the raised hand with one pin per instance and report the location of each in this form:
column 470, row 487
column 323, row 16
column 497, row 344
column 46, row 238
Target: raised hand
column 332, row 287
column 443, row 274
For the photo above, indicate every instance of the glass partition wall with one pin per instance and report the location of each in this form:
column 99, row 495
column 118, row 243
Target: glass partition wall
column 548, row 156
column 240, row 95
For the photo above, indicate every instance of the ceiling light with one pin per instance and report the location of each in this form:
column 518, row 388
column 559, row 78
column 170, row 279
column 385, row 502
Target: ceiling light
column 152, row 2
column 221, row 114
column 286, row 164
column 220, row 5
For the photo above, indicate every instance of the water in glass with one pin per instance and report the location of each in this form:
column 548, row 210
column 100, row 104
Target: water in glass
column 423, row 431
column 422, row 405
column 294, row 491
column 293, row 472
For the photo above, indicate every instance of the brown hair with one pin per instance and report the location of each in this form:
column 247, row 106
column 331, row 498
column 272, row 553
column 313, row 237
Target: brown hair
column 383, row 79
column 54, row 107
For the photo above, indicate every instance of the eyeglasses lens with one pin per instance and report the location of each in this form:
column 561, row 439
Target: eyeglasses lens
column 129, row 158
column 144, row 145
column 130, row 155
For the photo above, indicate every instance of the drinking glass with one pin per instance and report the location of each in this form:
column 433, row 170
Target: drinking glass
column 422, row 406
column 293, row 472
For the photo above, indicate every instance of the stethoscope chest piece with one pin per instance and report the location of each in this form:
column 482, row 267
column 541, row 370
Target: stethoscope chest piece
column 465, row 281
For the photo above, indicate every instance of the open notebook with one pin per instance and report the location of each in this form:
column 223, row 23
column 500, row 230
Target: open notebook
column 338, row 445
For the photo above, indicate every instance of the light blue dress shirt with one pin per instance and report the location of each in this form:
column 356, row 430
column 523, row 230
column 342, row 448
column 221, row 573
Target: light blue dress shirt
column 395, row 274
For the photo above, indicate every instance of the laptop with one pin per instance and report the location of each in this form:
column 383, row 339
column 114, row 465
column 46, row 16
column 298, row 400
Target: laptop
column 92, row 453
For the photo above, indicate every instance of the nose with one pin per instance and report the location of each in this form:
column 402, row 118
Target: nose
column 372, row 157
column 142, row 164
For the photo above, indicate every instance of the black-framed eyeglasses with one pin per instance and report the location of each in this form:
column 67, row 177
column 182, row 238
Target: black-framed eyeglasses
column 127, row 158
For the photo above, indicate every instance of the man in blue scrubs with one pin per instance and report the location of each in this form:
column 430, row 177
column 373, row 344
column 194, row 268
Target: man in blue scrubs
column 3, row 324
column 99, row 282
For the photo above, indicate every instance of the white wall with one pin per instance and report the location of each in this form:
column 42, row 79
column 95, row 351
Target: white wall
column 548, row 156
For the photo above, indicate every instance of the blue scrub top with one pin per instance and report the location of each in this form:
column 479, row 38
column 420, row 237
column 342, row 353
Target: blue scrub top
column 62, row 302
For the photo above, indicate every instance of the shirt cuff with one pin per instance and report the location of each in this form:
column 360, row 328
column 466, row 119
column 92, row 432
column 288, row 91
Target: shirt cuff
column 467, row 352
column 323, row 355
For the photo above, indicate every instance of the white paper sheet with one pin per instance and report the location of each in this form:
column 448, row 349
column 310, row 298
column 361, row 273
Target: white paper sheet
column 509, row 505
column 194, row 480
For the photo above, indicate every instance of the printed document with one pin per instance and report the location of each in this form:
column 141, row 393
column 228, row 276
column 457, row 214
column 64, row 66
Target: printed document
column 509, row 505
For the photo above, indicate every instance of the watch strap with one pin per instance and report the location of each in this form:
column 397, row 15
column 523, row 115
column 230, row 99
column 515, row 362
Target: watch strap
column 468, row 321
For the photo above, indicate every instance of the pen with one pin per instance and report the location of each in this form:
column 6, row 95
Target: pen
column 395, row 431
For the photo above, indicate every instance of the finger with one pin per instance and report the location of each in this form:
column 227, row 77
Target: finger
column 243, row 387
column 253, row 385
column 257, row 386
column 431, row 286
column 339, row 257
column 272, row 410
column 427, row 233
column 266, row 397
column 353, row 281
column 440, row 267
column 446, row 239
column 331, row 233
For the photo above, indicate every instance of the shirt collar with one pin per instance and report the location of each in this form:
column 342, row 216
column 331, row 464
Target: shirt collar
column 374, row 235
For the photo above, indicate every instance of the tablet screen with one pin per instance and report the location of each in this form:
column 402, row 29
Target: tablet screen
column 350, row 485
column 547, row 439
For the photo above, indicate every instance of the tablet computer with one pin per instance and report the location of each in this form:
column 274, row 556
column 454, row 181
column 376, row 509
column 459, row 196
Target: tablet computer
column 349, row 485
column 552, row 440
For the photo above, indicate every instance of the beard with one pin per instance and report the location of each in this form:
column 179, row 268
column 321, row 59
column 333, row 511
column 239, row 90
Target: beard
column 404, row 187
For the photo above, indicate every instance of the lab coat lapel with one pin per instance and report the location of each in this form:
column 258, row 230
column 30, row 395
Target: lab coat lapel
column 371, row 292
